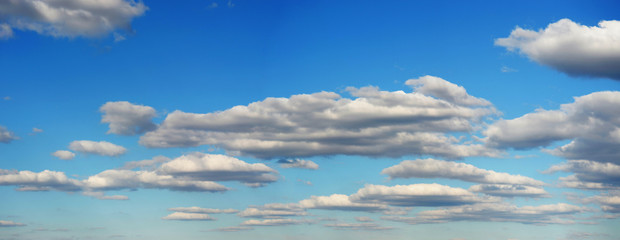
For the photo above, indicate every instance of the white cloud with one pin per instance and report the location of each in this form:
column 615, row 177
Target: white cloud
column 149, row 164
column 4, row 223
column 298, row 163
column 215, row 167
column 560, row 213
column 99, row 148
column 591, row 123
column 274, row 222
column 589, row 174
column 102, row 196
column 128, row 119
column 182, row 216
column 510, row 190
column 609, row 202
column 363, row 219
column 64, row 154
column 41, row 181
column 6, row 136
column 432, row 168
column 571, row 48
column 71, row 18
column 126, row 179
column 357, row 226
column 421, row 194
column 5, row 33
column 202, row 210
column 372, row 123
column 340, row 202
column 271, row 213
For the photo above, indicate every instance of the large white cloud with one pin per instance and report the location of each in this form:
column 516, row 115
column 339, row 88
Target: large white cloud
column 274, row 222
column 41, row 181
column 63, row 154
column 589, row 174
column 99, row 148
column 127, row 179
column 70, row 18
column 340, row 202
column 591, row 123
column 6, row 136
column 298, row 163
column 432, row 168
column 560, row 213
column 372, row 123
column 422, row 194
column 126, row 118
column 572, row 48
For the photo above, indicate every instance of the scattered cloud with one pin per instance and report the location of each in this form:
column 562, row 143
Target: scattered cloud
column 41, row 181
column 363, row 219
column 119, row 37
column 102, row 148
column 588, row 174
column 6, row 136
column 570, row 47
column 4, row 223
column 298, row 163
column 5, row 33
column 182, row 216
column 340, row 202
column 7, row 98
column 432, row 168
column 102, row 196
column 560, row 213
column 70, row 18
column 422, row 194
column 274, row 222
column 202, row 210
column 149, row 164
column 505, row 69
column 609, row 202
column 373, row 123
column 35, row 131
column 64, row 154
column 213, row 5
column 357, row 226
column 591, row 123
column 128, row 119
column 510, row 190
column 126, row 179
column 271, row 213
column 233, row 229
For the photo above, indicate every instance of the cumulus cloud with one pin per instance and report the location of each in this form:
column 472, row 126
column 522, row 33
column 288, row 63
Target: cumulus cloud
column 357, row 226
column 589, row 174
column 560, row 213
column 274, row 222
column 508, row 190
column 182, row 216
column 64, row 154
column 372, row 123
column 41, row 181
column 98, row 148
column 202, row 210
column 70, row 18
column 591, row 123
column 6, row 136
column 128, row 119
column 271, row 213
column 298, row 163
column 148, row 164
column 428, row 195
column 126, row 179
column 4, row 223
column 571, row 48
column 432, row 168
column 340, row 202
column 102, row 196
column 608, row 202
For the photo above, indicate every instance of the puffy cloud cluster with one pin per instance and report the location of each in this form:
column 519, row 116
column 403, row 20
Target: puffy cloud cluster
column 298, row 163
column 6, row 136
column 560, row 213
column 571, row 48
column 70, row 18
column 591, row 123
column 128, row 119
column 102, row 148
column 192, row 172
column 589, row 174
column 195, row 213
column 373, row 123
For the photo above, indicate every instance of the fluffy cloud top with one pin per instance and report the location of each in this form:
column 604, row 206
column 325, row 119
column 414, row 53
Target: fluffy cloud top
column 373, row 123
column 571, row 48
column 64, row 154
column 592, row 123
column 41, row 181
column 589, row 174
column 418, row 195
column 432, row 168
column 70, row 18
column 128, row 119
column 6, row 136
column 182, row 216
column 298, row 163
column 99, row 148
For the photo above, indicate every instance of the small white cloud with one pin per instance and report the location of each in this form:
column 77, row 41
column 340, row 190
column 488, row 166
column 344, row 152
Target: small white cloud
column 4, row 223
column 35, row 131
column 202, row 210
column 181, row 216
column 98, row 148
column 298, row 163
column 64, row 154
column 102, row 196
column 5, row 33
column 274, row 222
column 126, row 118
column 507, row 69
column 6, row 136
column 118, row 37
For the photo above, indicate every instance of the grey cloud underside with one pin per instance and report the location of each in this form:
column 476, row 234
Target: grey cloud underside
column 508, row 190
column 560, row 213
column 128, row 119
column 6, row 136
column 373, row 123
column 591, row 123
column 70, row 18
column 205, row 169
column 571, row 48
column 589, row 175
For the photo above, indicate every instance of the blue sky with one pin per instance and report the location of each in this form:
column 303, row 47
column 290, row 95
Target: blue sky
column 312, row 119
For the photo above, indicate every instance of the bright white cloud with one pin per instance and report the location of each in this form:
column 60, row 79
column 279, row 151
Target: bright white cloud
column 271, row 213
column 589, row 174
column 71, row 18
column 421, row 194
column 591, row 123
column 41, row 181
column 128, row 119
column 4, row 223
column 99, row 148
column 608, row 202
column 496, row 212
column 6, row 136
column 510, row 190
column 571, row 48
column 126, row 179
column 340, row 202
column 64, row 154
column 274, row 222
column 373, row 123
column 432, row 168
column 298, row 163
column 182, row 216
